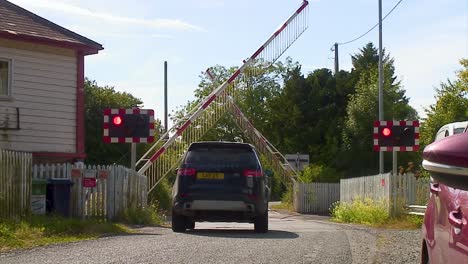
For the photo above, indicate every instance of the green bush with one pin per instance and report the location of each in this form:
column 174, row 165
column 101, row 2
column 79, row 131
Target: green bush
column 416, row 220
column 320, row 173
column 143, row 216
column 367, row 212
column 288, row 196
column 161, row 196
column 277, row 187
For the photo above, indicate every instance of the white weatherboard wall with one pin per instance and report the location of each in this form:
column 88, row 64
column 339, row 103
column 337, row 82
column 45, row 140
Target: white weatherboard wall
column 44, row 89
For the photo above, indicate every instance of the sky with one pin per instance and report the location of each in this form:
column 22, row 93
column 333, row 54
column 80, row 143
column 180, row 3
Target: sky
column 425, row 37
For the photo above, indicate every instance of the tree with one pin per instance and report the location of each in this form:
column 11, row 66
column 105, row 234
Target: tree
column 258, row 84
column 285, row 117
column 320, row 173
column 451, row 105
column 367, row 59
column 96, row 99
column 308, row 114
column 225, row 129
column 362, row 110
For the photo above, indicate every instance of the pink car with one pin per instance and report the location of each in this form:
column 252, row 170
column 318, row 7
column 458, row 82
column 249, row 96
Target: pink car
column 445, row 229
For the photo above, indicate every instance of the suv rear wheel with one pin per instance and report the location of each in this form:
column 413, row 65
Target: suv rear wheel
column 178, row 223
column 190, row 224
column 261, row 223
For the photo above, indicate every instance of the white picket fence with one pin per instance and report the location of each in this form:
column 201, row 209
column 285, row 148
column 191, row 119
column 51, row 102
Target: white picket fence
column 397, row 191
column 375, row 187
column 15, row 183
column 116, row 188
column 316, row 197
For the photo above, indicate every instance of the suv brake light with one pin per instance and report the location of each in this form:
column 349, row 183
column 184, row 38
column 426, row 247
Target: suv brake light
column 186, row 172
column 252, row 173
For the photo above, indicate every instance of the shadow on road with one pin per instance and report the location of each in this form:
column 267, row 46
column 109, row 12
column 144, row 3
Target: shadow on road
column 130, row 234
column 238, row 233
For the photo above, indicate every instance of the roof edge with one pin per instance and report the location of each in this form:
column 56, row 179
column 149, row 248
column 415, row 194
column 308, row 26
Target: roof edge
column 86, row 41
column 86, row 49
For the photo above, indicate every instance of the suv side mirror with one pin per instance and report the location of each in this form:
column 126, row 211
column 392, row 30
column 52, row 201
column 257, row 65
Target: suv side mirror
column 269, row 173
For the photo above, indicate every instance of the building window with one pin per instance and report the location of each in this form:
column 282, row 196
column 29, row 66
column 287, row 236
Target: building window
column 5, row 78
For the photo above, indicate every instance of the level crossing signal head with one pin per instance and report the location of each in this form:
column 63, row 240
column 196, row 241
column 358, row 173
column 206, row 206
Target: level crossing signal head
column 128, row 125
column 396, row 135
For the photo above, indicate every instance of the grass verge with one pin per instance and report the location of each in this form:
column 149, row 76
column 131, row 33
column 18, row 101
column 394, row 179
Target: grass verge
column 283, row 206
column 44, row 230
column 374, row 214
column 404, row 222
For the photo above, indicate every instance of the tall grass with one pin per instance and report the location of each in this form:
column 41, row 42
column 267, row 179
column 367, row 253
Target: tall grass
column 150, row 215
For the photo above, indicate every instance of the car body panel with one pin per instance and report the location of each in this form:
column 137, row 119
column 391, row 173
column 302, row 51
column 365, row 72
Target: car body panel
column 445, row 228
column 452, row 151
column 447, row 161
column 459, row 242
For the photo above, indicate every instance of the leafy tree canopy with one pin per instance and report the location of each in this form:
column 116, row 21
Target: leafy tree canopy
column 97, row 98
column 451, row 105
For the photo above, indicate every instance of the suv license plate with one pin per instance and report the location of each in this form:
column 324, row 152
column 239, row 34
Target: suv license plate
column 210, row 176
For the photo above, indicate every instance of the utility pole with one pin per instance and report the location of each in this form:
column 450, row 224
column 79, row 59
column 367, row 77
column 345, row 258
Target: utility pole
column 381, row 110
column 165, row 96
column 337, row 67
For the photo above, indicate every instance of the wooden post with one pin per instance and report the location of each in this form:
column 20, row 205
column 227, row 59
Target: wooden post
column 110, row 193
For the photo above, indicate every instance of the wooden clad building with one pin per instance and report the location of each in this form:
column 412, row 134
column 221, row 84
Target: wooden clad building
column 41, row 86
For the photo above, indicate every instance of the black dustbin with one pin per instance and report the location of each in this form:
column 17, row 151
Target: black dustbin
column 58, row 197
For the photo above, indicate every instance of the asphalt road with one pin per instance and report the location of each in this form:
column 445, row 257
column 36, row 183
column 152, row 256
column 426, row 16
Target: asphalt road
column 292, row 239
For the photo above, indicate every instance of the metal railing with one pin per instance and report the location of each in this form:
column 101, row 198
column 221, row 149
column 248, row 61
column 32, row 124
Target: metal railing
column 416, row 209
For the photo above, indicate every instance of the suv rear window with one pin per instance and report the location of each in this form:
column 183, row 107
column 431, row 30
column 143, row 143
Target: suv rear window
column 221, row 155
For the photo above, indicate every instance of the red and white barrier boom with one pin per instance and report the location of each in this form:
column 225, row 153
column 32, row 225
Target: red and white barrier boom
column 158, row 163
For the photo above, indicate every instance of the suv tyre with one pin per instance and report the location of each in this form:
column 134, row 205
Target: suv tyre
column 190, row 224
column 178, row 223
column 261, row 223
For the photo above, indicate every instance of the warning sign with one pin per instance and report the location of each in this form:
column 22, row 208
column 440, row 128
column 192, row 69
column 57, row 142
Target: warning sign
column 89, row 182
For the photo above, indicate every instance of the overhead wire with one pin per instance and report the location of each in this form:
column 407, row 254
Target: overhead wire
column 372, row 28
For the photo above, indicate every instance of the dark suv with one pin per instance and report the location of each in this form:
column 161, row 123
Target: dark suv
column 220, row 182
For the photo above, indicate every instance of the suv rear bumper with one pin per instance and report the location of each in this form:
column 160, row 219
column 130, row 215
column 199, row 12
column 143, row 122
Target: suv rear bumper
column 209, row 205
column 219, row 210
column 189, row 208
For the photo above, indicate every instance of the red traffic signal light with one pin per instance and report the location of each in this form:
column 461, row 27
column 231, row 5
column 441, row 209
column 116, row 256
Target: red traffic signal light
column 387, row 132
column 117, row 120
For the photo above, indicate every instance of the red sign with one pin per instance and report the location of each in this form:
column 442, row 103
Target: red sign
column 382, row 182
column 76, row 173
column 103, row 174
column 89, row 182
